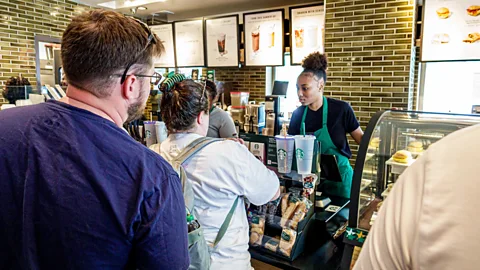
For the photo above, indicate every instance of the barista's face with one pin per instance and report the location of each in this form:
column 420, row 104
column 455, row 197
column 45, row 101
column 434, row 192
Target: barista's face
column 309, row 88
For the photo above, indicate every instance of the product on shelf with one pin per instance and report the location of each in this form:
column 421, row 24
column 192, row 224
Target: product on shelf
column 287, row 241
column 415, row 146
column 309, row 185
column 473, row 10
column 295, row 212
column 443, row 13
column 272, row 244
column 402, row 156
column 285, row 203
column 257, row 230
column 272, row 208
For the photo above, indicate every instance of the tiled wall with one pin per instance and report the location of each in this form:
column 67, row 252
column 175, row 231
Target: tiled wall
column 20, row 21
column 369, row 45
column 245, row 79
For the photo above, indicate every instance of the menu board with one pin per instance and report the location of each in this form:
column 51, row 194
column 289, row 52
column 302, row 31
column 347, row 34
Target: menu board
column 165, row 34
column 263, row 36
column 451, row 30
column 189, row 50
column 306, row 32
column 222, row 41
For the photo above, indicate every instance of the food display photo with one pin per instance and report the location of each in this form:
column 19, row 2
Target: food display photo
column 451, row 30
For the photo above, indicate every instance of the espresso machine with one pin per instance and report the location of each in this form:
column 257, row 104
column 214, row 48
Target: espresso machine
column 254, row 118
column 272, row 108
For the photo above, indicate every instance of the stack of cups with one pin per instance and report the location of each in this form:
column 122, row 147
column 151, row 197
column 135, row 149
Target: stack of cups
column 150, row 132
column 304, row 152
column 161, row 131
column 285, row 146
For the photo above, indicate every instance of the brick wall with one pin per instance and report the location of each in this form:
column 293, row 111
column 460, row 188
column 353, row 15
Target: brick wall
column 369, row 44
column 245, row 79
column 20, row 21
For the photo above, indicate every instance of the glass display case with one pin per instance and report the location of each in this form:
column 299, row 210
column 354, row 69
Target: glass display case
column 392, row 142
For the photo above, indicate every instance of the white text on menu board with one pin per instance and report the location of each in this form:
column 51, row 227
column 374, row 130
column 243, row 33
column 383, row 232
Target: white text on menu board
column 222, row 22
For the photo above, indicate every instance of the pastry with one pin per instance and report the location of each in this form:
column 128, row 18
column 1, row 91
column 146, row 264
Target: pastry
column 272, row 244
column 287, row 241
column 375, row 142
column 415, row 146
column 472, row 38
column 441, row 39
column 473, row 10
column 443, row 13
column 258, row 222
column 288, row 214
column 256, row 239
column 402, row 156
column 285, row 203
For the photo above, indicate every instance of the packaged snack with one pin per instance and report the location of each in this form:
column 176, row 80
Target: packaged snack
column 272, row 244
column 296, row 191
column 285, row 202
column 287, row 241
column 255, row 238
column 309, row 182
column 258, row 222
column 272, row 208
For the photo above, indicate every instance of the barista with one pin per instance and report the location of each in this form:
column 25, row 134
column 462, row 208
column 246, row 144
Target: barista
column 328, row 119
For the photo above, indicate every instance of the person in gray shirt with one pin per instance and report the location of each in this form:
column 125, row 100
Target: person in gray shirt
column 221, row 123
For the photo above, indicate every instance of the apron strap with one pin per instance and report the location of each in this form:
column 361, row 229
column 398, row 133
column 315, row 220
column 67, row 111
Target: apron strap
column 325, row 112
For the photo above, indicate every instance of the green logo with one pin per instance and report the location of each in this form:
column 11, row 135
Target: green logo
column 282, row 154
column 255, row 220
column 286, row 236
column 300, row 154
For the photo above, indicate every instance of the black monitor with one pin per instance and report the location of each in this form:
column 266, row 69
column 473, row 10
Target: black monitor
column 280, row 88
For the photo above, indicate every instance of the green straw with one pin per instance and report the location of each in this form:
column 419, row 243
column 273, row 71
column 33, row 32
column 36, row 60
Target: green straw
column 302, row 129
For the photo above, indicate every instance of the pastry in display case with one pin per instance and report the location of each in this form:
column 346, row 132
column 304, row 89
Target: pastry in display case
column 392, row 142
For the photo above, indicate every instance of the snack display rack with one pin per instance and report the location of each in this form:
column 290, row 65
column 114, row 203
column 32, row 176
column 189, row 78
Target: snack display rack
column 279, row 227
column 377, row 167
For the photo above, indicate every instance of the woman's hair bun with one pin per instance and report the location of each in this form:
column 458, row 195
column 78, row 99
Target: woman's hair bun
column 315, row 61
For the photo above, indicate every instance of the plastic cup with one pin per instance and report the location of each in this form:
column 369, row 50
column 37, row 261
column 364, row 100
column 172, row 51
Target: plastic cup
column 304, row 153
column 285, row 147
column 161, row 131
column 150, row 132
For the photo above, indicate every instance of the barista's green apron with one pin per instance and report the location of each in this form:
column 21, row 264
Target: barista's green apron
column 328, row 147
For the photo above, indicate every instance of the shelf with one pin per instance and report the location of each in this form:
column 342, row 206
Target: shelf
column 364, row 186
column 398, row 168
column 435, row 136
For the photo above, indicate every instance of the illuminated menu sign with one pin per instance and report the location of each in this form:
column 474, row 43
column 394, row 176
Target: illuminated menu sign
column 264, row 36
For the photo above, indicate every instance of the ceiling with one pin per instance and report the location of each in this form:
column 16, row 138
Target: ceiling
column 187, row 9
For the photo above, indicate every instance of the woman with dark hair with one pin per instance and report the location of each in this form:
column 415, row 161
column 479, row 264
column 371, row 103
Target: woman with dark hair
column 327, row 118
column 219, row 173
column 221, row 124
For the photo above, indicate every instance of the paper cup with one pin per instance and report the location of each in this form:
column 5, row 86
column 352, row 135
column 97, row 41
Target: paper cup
column 150, row 132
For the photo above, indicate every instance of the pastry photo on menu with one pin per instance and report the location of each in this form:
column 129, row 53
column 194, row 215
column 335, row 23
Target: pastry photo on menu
column 443, row 13
column 442, row 38
column 472, row 38
column 473, row 10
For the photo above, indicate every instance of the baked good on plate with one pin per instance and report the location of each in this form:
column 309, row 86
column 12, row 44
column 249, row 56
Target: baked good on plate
column 415, row 146
column 402, row 156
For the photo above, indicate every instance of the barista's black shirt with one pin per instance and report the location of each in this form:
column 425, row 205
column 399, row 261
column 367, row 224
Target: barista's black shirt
column 341, row 120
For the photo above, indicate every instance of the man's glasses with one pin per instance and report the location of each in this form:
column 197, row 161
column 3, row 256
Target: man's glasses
column 151, row 40
column 155, row 78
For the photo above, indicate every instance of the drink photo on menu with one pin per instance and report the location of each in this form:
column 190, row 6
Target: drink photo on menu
column 255, row 41
column 221, row 44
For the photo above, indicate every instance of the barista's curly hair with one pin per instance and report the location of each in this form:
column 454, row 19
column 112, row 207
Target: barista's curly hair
column 181, row 104
column 316, row 64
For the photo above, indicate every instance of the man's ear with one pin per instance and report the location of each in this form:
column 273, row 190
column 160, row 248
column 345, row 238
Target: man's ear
column 128, row 90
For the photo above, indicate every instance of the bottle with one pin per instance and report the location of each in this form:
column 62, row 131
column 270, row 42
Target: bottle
column 192, row 223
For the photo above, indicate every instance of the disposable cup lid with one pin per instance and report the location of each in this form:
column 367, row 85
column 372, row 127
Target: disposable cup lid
column 306, row 137
column 281, row 137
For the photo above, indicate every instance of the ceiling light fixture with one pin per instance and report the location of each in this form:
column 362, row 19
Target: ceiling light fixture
column 142, row 8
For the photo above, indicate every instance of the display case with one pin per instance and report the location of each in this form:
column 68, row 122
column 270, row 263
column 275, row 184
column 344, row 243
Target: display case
column 392, row 142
